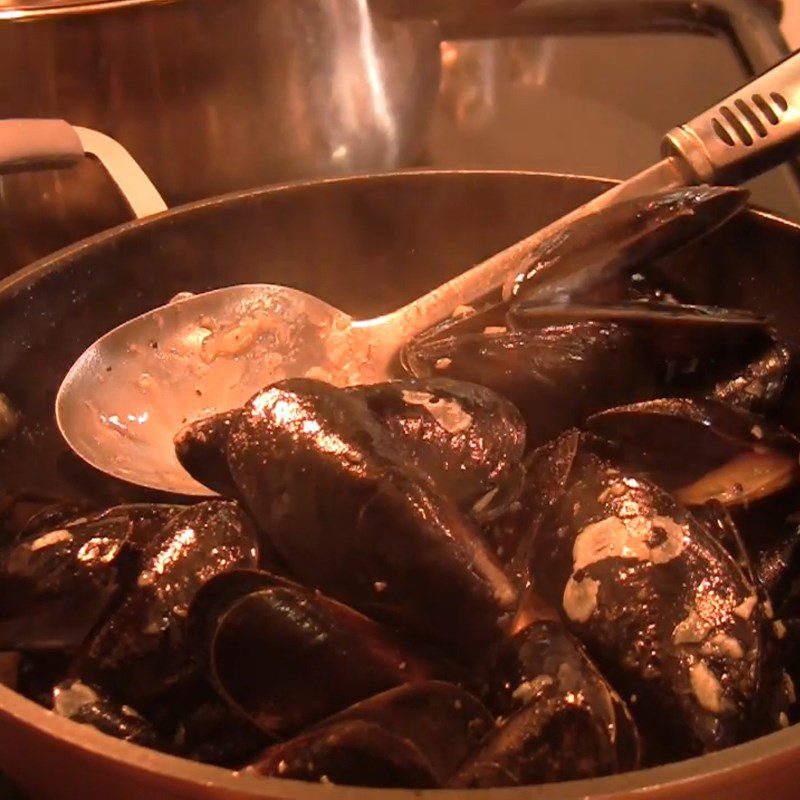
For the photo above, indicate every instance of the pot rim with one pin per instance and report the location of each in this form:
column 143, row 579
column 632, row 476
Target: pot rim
column 35, row 9
column 202, row 776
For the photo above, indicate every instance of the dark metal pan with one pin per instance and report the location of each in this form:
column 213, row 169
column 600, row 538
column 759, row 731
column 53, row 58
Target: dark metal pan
column 366, row 245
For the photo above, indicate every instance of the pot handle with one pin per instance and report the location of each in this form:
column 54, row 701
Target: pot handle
column 40, row 144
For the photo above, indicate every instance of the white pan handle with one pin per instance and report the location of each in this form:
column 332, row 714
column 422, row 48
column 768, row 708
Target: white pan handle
column 37, row 144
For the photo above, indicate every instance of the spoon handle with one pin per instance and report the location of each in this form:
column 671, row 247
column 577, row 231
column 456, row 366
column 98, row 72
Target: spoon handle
column 743, row 135
column 490, row 275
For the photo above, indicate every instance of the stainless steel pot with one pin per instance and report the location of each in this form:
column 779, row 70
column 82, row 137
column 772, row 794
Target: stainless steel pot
column 366, row 245
column 209, row 96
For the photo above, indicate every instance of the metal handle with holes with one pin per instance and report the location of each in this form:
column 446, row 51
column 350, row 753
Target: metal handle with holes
column 744, row 134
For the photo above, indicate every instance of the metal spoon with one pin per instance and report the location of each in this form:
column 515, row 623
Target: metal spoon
column 128, row 394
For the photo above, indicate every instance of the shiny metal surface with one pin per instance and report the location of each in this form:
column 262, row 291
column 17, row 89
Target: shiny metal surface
column 749, row 130
column 326, row 239
column 209, row 97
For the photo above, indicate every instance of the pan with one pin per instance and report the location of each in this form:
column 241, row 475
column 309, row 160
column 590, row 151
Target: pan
column 365, row 244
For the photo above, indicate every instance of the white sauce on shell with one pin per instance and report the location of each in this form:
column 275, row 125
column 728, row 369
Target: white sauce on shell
column 692, row 630
column 580, row 599
column 629, row 537
column 706, row 687
column 530, row 690
column 745, row 609
column 723, row 645
column 448, row 413
column 69, row 700
column 49, row 539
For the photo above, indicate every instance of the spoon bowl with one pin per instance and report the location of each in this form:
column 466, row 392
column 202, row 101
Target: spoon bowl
column 124, row 399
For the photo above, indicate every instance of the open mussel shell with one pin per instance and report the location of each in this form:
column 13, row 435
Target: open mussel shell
column 55, row 586
column 759, row 386
column 466, row 437
column 414, row 736
column 702, row 449
column 561, row 719
column 661, row 607
column 592, row 258
column 285, row 656
column 352, row 516
column 201, row 448
column 556, row 376
column 90, row 706
column 140, row 652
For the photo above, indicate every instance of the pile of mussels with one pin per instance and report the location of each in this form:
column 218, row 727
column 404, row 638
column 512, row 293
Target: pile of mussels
column 563, row 546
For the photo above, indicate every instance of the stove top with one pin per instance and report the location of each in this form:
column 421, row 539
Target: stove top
column 590, row 86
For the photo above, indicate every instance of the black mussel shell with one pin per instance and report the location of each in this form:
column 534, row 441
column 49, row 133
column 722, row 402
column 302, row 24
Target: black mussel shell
column 549, row 693
column 555, row 376
column 146, row 519
column 486, row 317
column 214, row 733
column 201, row 450
column 140, row 651
column 592, row 258
column 90, row 706
column 414, row 736
column 759, row 385
column 468, row 438
column 285, row 656
column 689, row 347
column 702, row 449
column 547, row 470
column 662, row 608
column 351, row 516
column 24, row 514
column 56, row 586
column 770, row 533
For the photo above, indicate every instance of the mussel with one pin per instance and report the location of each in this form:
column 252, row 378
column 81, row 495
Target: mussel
column 591, row 258
column 556, row 376
column 140, row 652
column 56, row 586
column 285, row 656
column 663, row 609
column 702, row 449
column 560, row 719
column 759, row 385
column 466, row 437
column 201, row 449
column 90, row 706
column 414, row 736
column 688, row 347
column 352, row 516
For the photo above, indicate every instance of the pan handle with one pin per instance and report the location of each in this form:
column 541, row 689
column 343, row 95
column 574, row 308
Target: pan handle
column 38, row 144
